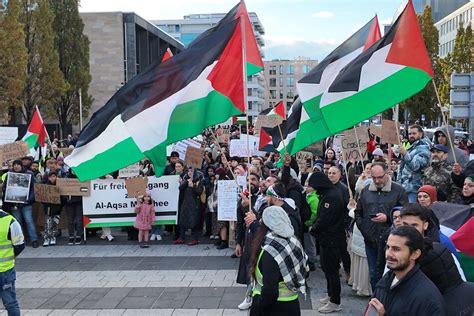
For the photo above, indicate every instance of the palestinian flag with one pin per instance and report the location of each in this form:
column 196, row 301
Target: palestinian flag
column 317, row 81
column 278, row 110
column 265, row 140
column 37, row 136
column 457, row 222
column 171, row 101
column 393, row 69
column 167, row 55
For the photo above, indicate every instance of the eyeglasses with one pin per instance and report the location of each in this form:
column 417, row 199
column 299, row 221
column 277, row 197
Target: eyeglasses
column 379, row 178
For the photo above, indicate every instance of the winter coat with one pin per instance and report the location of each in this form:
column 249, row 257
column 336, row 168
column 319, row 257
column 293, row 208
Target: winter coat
column 373, row 201
column 313, row 201
column 461, row 156
column 189, row 208
column 145, row 216
column 329, row 227
column 357, row 240
column 438, row 174
column 414, row 162
column 415, row 294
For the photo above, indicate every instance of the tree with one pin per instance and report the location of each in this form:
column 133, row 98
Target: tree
column 73, row 49
column 425, row 101
column 44, row 81
column 462, row 49
column 12, row 57
column 446, row 69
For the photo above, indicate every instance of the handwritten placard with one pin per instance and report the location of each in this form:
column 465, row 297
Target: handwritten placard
column 194, row 157
column 14, row 150
column 136, row 186
column 226, row 200
column 130, row 171
column 352, row 148
column 73, row 187
column 389, row 132
column 46, row 193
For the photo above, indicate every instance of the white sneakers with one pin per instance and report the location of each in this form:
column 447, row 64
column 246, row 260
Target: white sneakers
column 155, row 237
column 158, row 237
column 46, row 242
column 328, row 306
column 110, row 237
column 52, row 241
column 246, row 304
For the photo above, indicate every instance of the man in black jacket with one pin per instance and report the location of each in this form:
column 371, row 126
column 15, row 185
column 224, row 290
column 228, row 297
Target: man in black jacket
column 329, row 230
column 405, row 289
column 372, row 213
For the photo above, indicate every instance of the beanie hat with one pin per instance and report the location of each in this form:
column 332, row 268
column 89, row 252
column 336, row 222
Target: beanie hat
column 377, row 152
column 17, row 162
column 277, row 220
column 431, row 191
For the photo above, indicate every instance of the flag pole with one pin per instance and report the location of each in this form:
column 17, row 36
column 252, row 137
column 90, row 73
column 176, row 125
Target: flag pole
column 244, row 74
column 358, row 148
column 49, row 138
column 351, row 196
column 395, row 113
column 445, row 121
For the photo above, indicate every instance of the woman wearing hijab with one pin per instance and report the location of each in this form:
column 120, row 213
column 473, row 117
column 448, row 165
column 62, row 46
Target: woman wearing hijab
column 278, row 266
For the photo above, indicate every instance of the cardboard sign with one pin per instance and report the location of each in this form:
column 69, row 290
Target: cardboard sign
column 130, row 171
column 376, row 130
column 14, row 150
column 181, row 147
column 66, row 151
column 136, row 186
column 194, row 157
column 352, row 148
column 389, row 132
column 267, row 121
column 47, row 193
column 73, row 187
column 316, row 149
column 18, row 187
column 361, row 133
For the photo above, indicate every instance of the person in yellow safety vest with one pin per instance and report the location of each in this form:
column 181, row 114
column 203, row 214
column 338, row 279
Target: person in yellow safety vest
column 12, row 244
column 278, row 266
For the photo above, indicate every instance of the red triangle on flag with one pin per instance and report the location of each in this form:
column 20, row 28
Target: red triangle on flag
column 167, row 55
column 37, row 127
column 464, row 236
column 374, row 34
column 265, row 139
column 280, row 110
column 85, row 220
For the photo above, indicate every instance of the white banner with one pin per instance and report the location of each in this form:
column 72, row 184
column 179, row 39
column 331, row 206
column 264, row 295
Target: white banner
column 226, row 200
column 130, row 171
column 8, row 134
column 109, row 205
column 238, row 147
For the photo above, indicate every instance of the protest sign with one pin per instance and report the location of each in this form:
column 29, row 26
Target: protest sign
column 376, row 130
column 362, row 133
column 66, row 151
column 316, row 149
column 226, row 200
column 336, row 145
column 181, row 146
column 109, row 204
column 238, row 147
column 46, row 193
column 267, row 121
column 224, row 138
column 14, row 150
column 18, row 187
column 389, row 132
column 8, row 134
column 352, row 148
column 130, row 171
column 304, row 158
column 136, row 186
column 242, row 181
column 194, row 157
column 73, row 187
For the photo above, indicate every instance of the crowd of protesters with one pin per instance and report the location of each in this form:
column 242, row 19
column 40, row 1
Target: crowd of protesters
column 346, row 218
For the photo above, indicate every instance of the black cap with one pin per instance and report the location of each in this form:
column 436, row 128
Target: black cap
column 174, row 154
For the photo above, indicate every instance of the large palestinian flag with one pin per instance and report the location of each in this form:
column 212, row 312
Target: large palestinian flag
column 37, row 136
column 171, row 101
column 391, row 70
column 317, row 81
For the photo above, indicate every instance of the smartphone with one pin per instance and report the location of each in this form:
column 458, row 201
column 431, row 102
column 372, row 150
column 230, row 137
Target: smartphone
column 372, row 215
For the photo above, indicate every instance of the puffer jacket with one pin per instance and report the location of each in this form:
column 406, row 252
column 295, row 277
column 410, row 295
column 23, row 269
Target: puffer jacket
column 460, row 154
column 373, row 201
column 414, row 162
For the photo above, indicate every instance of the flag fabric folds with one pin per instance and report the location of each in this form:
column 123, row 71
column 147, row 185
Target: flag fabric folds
column 37, row 136
column 171, row 100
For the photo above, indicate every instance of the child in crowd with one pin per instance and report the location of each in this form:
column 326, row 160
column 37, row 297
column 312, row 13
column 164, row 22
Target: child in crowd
column 145, row 210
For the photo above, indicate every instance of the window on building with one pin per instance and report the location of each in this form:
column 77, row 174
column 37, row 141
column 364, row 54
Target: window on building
column 281, row 94
column 273, row 82
column 281, row 81
column 289, row 81
column 306, row 69
column 281, row 69
column 273, row 94
column 250, row 105
column 290, row 69
column 249, row 92
column 290, row 95
column 273, row 70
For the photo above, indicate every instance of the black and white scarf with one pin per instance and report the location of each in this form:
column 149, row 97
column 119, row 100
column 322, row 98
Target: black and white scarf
column 291, row 259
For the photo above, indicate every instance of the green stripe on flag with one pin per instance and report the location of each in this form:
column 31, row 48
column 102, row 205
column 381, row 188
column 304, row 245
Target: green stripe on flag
column 467, row 265
column 31, row 140
column 253, row 69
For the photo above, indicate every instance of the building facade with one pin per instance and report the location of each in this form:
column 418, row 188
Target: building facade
column 281, row 77
column 191, row 26
column 121, row 46
column 449, row 25
column 439, row 8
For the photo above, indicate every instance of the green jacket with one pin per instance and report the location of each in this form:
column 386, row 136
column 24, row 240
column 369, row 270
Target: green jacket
column 313, row 202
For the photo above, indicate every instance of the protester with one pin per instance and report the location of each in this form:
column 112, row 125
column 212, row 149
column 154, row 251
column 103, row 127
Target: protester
column 405, row 289
column 73, row 206
column 467, row 194
column 278, row 266
column 34, row 168
column 329, row 231
column 393, row 169
column 52, row 216
column 372, row 213
column 414, row 162
column 441, row 137
column 22, row 210
column 12, row 244
column 145, row 218
column 309, row 240
column 170, row 168
column 378, row 155
column 364, row 179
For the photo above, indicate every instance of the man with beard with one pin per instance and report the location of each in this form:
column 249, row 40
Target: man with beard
column 405, row 289
column 438, row 174
column 372, row 213
column 414, row 162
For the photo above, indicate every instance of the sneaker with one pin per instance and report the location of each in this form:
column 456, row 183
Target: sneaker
column 324, row 300
column 153, row 237
column 246, row 304
column 71, row 241
column 78, row 240
column 110, row 237
column 142, row 245
column 330, row 308
column 179, row 241
column 193, row 243
column 145, row 245
column 34, row 244
column 158, row 237
column 212, row 237
column 52, row 241
column 223, row 245
column 46, row 242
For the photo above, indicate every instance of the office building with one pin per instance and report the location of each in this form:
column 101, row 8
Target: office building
column 191, row 26
column 439, row 8
column 281, row 77
column 449, row 25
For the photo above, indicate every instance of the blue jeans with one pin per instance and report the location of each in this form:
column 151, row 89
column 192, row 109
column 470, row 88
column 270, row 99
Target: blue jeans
column 7, row 286
column 157, row 229
column 372, row 261
column 26, row 213
column 412, row 197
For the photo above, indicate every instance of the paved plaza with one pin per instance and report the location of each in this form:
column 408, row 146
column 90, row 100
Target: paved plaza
column 119, row 278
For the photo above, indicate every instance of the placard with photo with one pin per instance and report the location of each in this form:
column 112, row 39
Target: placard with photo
column 18, row 187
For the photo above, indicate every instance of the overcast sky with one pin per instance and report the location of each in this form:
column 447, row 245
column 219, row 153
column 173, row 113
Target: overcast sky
column 308, row 28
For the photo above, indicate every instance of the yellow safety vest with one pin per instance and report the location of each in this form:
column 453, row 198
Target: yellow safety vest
column 284, row 293
column 7, row 255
